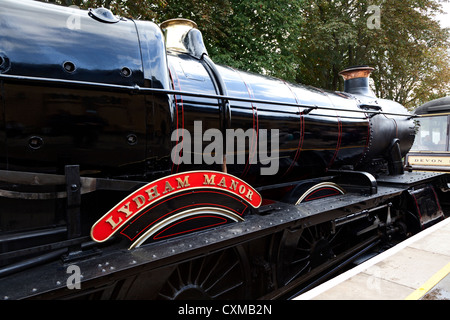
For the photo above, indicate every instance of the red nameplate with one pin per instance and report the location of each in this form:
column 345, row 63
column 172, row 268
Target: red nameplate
column 139, row 200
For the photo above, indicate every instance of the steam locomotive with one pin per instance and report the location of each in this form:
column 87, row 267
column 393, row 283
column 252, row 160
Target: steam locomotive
column 222, row 183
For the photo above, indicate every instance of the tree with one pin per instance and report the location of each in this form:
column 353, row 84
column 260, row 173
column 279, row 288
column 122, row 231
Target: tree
column 140, row 9
column 408, row 49
column 411, row 52
column 311, row 41
column 253, row 35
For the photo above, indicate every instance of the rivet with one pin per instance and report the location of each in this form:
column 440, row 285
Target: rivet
column 132, row 139
column 69, row 66
column 125, row 72
column 35, row 142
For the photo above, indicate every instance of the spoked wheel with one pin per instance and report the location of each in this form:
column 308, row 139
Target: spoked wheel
column 221, row 275
column 302, row 250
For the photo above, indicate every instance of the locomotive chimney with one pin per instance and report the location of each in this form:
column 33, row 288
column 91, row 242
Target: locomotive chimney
column 182, row 35
column 356, row 80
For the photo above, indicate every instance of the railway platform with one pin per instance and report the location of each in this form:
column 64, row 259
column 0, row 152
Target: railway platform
column 415, row 269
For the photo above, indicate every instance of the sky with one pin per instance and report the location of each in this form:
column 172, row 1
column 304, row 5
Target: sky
column 445, row 18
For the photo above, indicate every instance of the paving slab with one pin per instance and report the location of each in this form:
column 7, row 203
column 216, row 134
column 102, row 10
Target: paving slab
column 417, row 268
column 365, row 287
column 439, row 292
column 409, row 267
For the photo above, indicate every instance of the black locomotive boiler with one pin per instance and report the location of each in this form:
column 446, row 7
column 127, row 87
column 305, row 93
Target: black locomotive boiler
column 117, row 133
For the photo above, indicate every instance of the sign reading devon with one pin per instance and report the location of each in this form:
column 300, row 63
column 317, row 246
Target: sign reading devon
column 157, row 190
column 429, row 160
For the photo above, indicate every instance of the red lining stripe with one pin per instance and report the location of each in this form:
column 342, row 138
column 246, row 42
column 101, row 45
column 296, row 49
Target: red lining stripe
column 336, row 192
column 167, row 214
column 338, row 144
column 302, row 133
column 254, row 142
column 366, row 147
column 182, row 115
column 157, row 237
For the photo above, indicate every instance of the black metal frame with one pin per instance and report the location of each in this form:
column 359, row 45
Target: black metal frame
column 271, row 219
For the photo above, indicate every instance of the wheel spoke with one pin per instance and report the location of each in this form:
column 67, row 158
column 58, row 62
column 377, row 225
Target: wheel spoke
column 312, row 247
column 209, row 277
column 213, row 268
column 299, row 272
column 222, row 276
column 224, row 291
column 180, row 277
column 199, row 272
column 306, row 258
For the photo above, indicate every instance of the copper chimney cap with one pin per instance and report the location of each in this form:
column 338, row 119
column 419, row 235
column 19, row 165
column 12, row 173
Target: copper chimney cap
column 356, row 72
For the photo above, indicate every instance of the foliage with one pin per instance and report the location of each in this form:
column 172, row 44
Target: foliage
column 408, row 50
column 140, row 9
column 260, row 36
column 310, row 41
column 253, row 35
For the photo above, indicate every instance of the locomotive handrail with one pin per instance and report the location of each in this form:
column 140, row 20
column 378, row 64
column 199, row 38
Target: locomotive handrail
column 88, row 184
column 142, row 90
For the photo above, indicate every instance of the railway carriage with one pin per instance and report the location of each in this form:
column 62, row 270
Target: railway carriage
column 430, row 151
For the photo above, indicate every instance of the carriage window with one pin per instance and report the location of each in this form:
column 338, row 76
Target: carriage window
column 432, row 134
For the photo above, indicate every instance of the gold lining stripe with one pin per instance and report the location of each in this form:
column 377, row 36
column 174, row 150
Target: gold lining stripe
column 182, row 215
